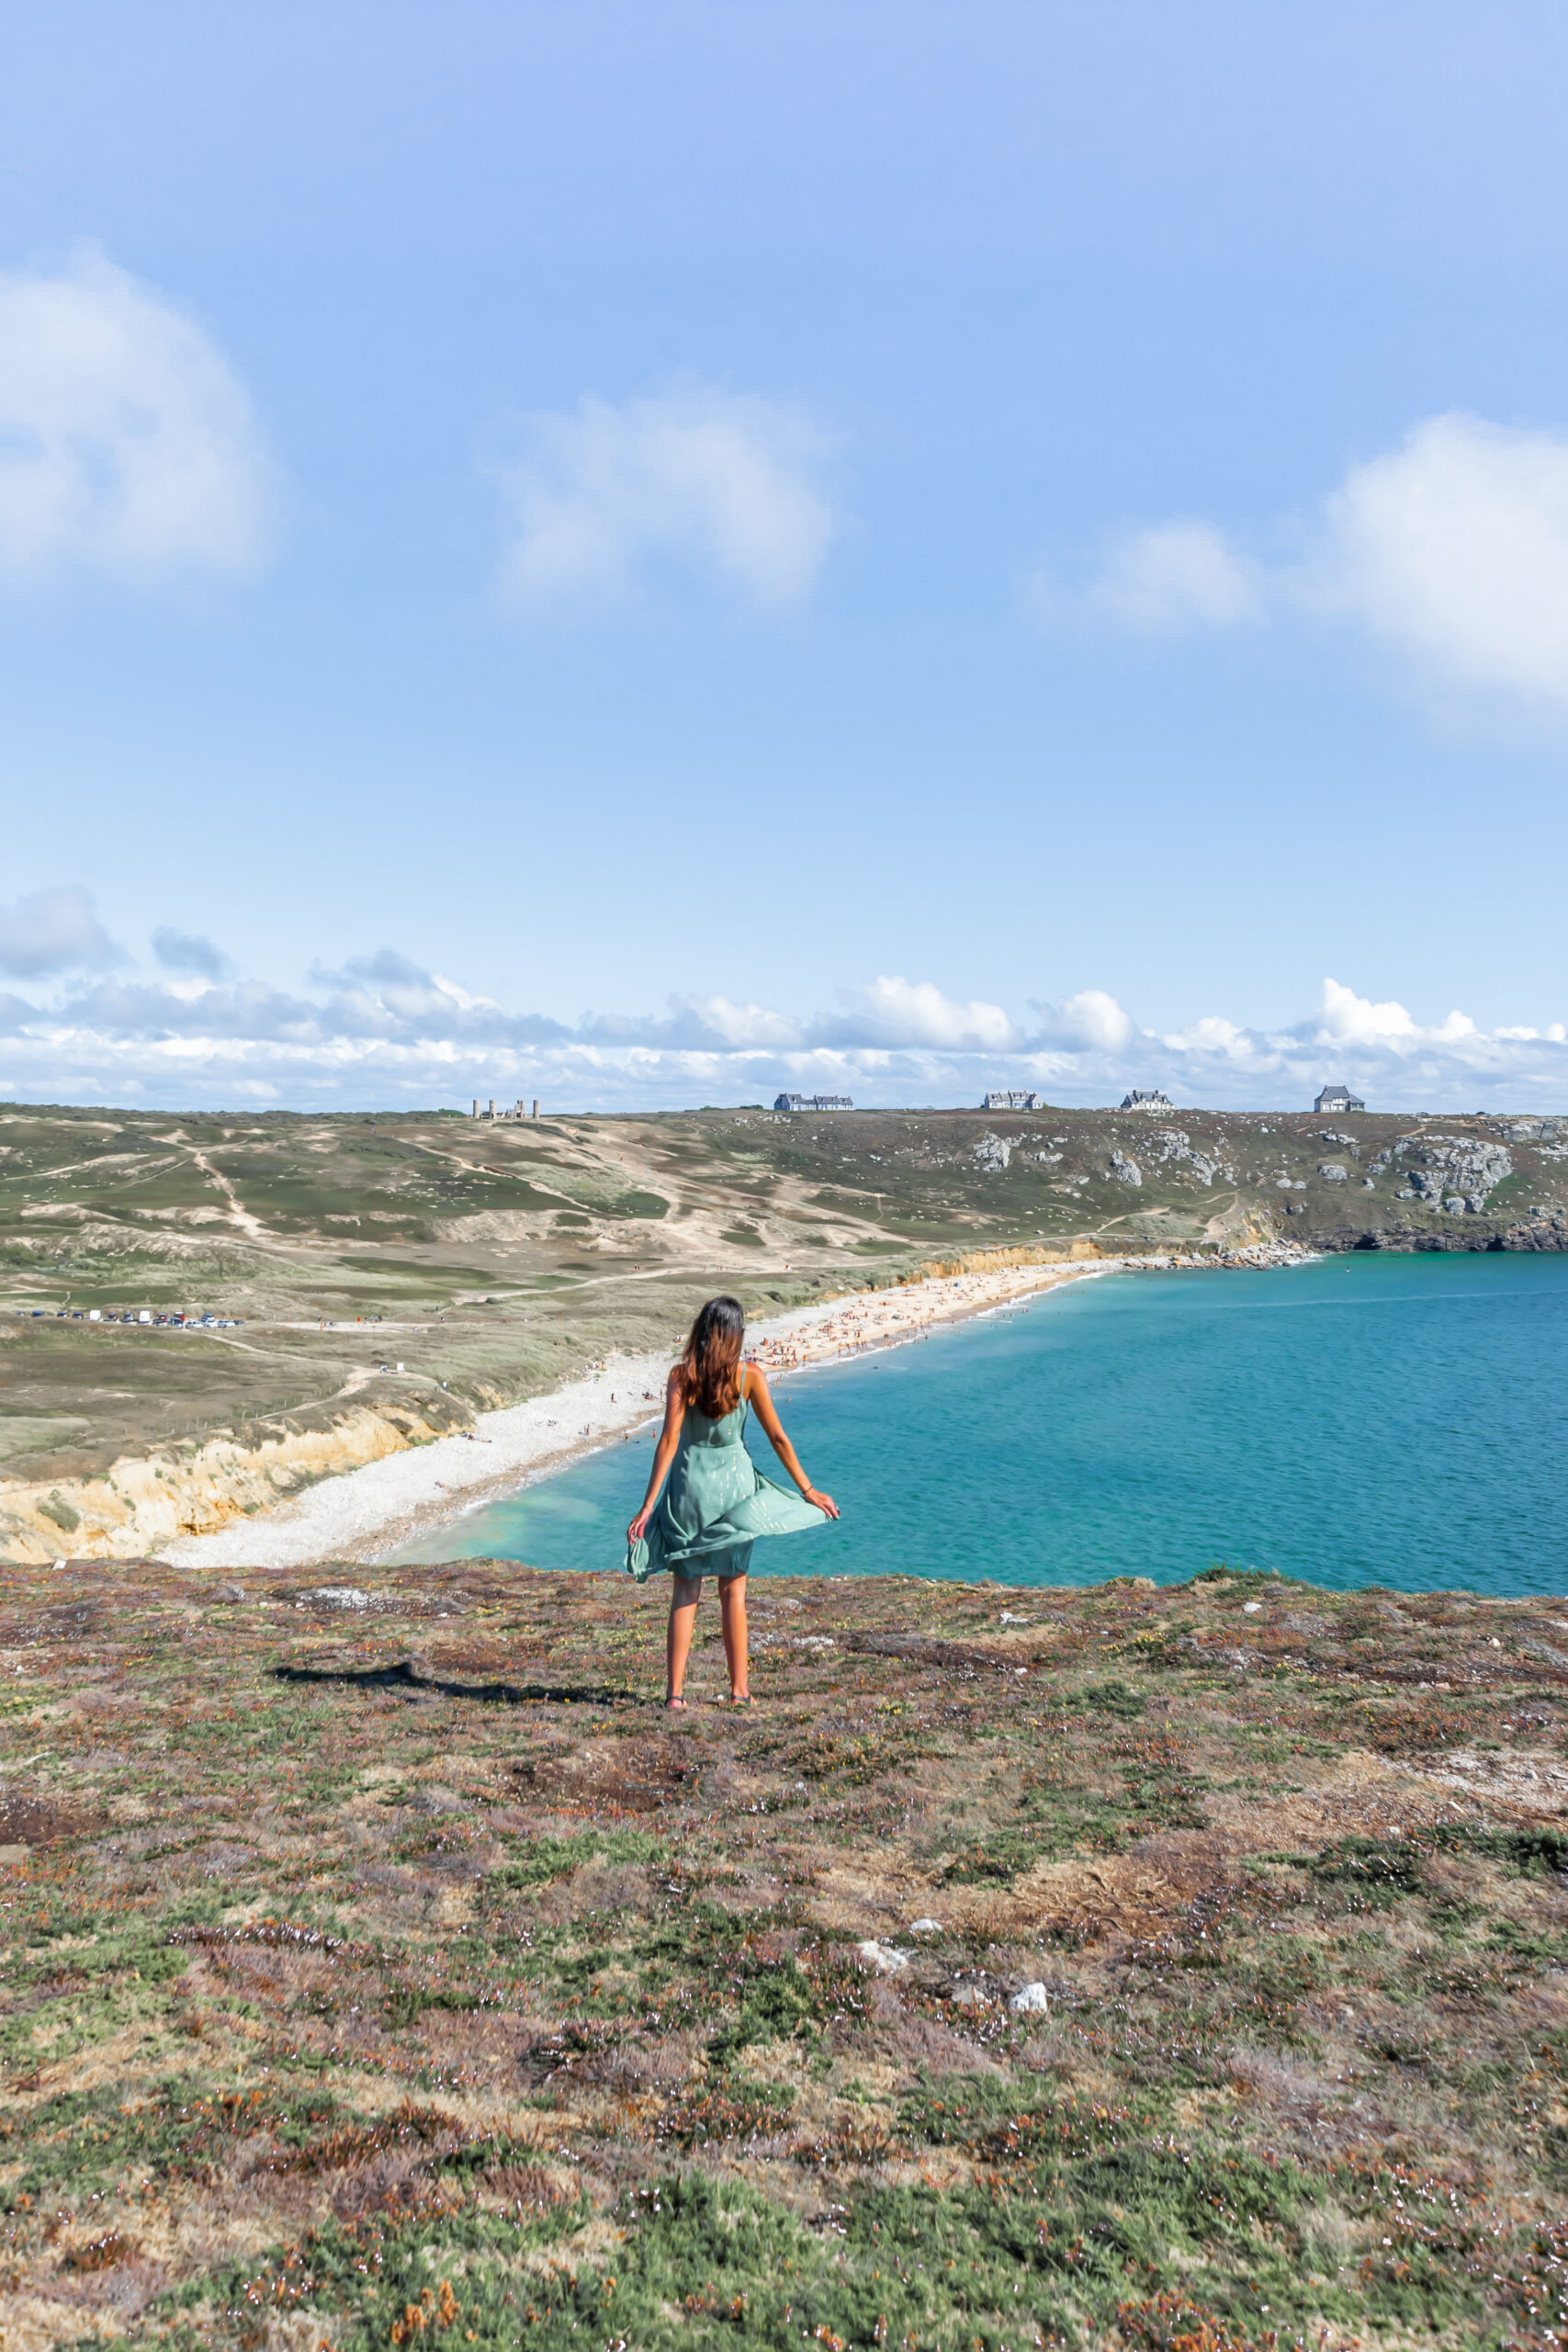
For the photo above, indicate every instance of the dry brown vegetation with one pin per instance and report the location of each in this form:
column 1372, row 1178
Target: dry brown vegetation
column 383, row 1965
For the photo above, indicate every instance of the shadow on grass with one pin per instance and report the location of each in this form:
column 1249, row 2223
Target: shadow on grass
column 413, row 1683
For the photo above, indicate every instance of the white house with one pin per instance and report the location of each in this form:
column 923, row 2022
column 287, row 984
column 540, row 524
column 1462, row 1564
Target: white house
column 1338, row 1098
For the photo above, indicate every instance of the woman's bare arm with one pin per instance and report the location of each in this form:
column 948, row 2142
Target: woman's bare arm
column 663, row 1455
column 761, row 1403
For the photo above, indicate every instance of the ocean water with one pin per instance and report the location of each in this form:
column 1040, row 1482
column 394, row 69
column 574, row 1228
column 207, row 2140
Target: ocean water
column 1366, row 1420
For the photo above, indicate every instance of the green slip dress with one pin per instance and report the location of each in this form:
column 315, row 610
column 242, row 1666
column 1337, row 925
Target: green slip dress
column 716, row 1502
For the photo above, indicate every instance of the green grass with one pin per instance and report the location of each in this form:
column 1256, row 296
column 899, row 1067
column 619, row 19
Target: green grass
column 546, row 2023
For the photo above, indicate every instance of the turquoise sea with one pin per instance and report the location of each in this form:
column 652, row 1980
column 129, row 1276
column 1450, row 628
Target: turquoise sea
column 1365, row 1420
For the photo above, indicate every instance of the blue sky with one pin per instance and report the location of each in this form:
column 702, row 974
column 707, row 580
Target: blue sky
column 640, row 555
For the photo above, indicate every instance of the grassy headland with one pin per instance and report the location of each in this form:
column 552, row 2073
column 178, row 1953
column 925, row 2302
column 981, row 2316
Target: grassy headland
column 396, row 1275
column 383, row 1967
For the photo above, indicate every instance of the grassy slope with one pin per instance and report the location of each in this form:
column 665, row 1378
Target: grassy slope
column 401, row 1973
column 503, row 1257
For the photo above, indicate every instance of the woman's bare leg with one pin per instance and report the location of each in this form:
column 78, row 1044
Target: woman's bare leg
column 732, row 1617
column 683, row 1599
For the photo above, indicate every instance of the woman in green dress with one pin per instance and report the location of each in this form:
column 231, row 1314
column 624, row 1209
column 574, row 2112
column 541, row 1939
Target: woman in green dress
column 715, row 1500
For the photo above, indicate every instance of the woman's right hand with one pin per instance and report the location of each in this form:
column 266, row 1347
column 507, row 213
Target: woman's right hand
column 639, row 1524
column 824, row 1503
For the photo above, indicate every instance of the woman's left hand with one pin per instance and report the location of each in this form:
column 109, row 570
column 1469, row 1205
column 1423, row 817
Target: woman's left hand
column 824, row 1503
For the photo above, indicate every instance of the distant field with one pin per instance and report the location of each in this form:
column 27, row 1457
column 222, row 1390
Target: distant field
column 490, row 1260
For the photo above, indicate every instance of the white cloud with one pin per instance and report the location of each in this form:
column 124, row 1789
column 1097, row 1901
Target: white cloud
column 916, row 1013
column 1451, row 552
column 745, row 1025
column 1090, row 1022
column 1178, row 575
column 1346, row 1018
column 384, row 1030
column 52, row 930
column 722, row 484
column 128, row 444
column 1454, row 548
column 1212, row 1035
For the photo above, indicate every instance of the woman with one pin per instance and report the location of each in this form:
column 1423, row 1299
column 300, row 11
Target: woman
column 716, row 1500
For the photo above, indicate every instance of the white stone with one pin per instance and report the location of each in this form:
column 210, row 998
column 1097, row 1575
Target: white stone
column 884, row 1958
column 925, row 1927
column 1031, row 1999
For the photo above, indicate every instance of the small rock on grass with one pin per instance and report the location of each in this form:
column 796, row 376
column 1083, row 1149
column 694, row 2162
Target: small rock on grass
column 884, row 1958
column 1029, row 1999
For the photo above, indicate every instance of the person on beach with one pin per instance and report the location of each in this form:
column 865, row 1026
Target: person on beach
column 706, row 1500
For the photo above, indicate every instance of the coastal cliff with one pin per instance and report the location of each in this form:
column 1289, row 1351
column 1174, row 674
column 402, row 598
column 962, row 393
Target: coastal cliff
column 140, row 1503
column 1546, row 1231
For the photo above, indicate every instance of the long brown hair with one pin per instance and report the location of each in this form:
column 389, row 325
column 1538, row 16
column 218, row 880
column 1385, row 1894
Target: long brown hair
column 710, row 1365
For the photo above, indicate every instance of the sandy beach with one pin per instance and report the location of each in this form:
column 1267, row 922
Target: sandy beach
column 366, row 1513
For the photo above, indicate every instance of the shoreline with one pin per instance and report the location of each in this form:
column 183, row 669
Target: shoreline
column 365, row 1514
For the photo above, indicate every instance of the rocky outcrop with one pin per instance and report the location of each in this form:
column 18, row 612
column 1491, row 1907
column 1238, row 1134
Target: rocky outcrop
column 1548, row 1231
column 1173, row 1146
column 1454, row 1172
